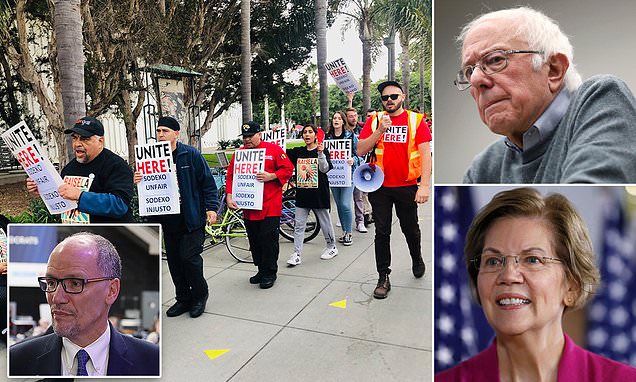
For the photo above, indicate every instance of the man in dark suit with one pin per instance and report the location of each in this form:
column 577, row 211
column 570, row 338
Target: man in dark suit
column 82, row 281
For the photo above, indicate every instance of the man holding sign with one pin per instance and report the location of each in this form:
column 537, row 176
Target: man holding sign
column 399, row 140
column 99, row 180
column 184, row 232
column 272, row 172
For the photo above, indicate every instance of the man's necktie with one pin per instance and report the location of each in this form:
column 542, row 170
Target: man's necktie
column 82, row 358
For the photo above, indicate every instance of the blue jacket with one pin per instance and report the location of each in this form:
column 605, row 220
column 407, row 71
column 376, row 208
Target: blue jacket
column 42, row 356
column 196, row 186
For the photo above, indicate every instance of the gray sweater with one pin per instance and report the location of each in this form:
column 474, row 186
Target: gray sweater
column 595, row 142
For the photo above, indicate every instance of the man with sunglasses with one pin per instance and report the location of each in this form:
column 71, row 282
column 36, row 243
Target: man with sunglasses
column 517, row 65
column 398, row 140
column 82, row 281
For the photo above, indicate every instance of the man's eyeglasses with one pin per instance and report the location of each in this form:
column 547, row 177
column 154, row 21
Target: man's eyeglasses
column 392, row 96
column 491, row 63
column 71, row 285
column 491, row 263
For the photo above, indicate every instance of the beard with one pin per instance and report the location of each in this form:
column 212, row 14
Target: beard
column 67, row 330
column 396, row 105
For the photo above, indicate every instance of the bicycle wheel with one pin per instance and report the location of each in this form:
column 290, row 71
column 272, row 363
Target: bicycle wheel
column 288, row 220
column 237, row 243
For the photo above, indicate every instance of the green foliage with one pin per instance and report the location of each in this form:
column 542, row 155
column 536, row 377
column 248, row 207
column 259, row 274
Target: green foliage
column 238, row 142
column 224, row 143
column 37, row 214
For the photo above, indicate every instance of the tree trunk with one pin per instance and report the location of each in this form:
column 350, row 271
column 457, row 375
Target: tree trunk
column 421, row 71
column 246, row 61
column 389, row 42
column 406, row 67
column 366, row 35
column 321, row 55
column 70, row 58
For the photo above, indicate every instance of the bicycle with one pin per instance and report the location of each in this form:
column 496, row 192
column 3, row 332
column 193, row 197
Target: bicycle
column 288, row 221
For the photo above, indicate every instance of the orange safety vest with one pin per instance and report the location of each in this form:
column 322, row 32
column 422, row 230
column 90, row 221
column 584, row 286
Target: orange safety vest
column 415, row 163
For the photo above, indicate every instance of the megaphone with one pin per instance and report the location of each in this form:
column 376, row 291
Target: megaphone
column 368, row 178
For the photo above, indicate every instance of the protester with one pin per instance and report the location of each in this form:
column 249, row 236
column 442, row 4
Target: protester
column 399, row 142
column 343, row 196
column 111, row 188
column 312, row 195
column 262, row 225
column 82, row 282
column 184, row 233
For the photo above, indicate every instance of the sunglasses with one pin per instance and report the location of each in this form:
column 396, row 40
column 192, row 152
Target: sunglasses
column 392, row 96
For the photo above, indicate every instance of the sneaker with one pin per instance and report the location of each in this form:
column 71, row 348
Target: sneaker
column 338, row 224
column 383, row 287
column 294, row 259
column 329, row 253
column 346, row 239
column 362, row 228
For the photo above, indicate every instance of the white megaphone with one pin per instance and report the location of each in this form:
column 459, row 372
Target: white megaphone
column 367, row 178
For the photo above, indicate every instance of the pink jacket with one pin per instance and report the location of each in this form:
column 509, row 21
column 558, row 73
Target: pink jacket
column 577, row 364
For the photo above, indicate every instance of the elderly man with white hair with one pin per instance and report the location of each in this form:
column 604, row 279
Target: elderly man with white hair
column 517, row 65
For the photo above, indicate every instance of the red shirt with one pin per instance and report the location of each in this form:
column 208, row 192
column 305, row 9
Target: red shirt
column 396, row 158
column 276, row 161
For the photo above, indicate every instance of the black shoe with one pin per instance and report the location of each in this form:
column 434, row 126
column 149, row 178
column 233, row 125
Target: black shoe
column 178, row 309
column 198, row 307
column 267, row 282
column 419, row 268
column 256, row 279
column 368, row 219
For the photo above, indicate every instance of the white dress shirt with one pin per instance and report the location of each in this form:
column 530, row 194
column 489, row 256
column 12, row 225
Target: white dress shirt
column 98, row 352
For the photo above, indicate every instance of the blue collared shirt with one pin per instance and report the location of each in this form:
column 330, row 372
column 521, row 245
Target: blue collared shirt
column 546, row 123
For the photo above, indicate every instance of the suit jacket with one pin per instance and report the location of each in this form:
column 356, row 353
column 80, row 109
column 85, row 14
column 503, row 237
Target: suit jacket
column 577, row 364
column 43, row 356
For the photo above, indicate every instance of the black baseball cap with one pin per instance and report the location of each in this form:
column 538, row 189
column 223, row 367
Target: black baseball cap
column 87, row 127
column 250, row 128
column 389, row 83
column 169, row 122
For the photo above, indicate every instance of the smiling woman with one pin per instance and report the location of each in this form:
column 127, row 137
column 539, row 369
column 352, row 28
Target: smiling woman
column 529, row 259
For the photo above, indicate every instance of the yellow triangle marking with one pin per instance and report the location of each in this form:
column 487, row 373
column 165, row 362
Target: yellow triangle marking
column 212, row 354
column 339, row 304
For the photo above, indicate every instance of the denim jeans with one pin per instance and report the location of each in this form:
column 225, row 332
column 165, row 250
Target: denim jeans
column 343, row 196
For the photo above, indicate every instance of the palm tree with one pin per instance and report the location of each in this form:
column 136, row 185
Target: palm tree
column 246, row 61
column 364, row 14
column 321, row 55
column 67, row 25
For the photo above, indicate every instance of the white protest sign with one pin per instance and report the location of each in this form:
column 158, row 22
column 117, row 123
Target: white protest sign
column 247, row 192
column 158, row 190
column 339, row 152
column 340, row 72
column 277, row 137
column 37, row 165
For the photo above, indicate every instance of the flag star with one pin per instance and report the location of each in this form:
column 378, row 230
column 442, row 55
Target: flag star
column 468, row 335
column 449, row 201
column 445, row 324
column 597, row 337
column 447, row 293
column 448, row 262
column 620, row 343
column 619, row 316
column 617, row 291
column 615, row 265
column 597, row 312
column 444, row 355
column 634, row 335
column 449, row 232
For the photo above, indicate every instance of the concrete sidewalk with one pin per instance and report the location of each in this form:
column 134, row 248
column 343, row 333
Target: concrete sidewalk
column 291, row 333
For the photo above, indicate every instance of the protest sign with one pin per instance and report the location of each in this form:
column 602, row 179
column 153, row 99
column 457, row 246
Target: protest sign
column 247, row 192
column 340, row 72
column 38, row 167
column 277, row 137
column 307, row 173
column 340, row 151
column 158, row 190
column 83, row 183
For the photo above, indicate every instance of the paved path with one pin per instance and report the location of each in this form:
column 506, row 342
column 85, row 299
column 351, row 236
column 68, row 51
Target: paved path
column 291, row 333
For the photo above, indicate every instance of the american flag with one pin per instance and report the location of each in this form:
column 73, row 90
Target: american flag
column 461, row 330
column 612, row 313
